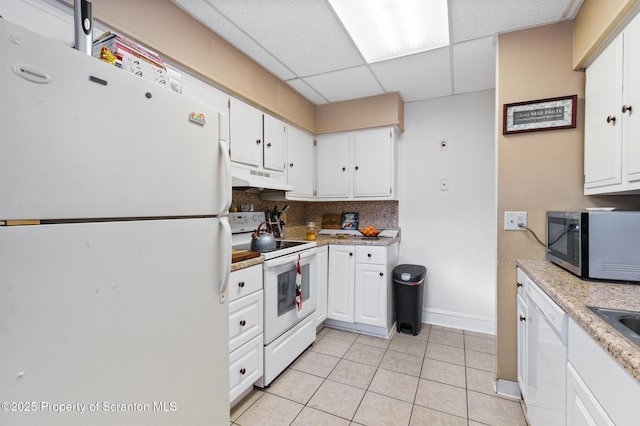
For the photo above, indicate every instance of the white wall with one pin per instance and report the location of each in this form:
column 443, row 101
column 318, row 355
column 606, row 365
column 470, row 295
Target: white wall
column 452, row 233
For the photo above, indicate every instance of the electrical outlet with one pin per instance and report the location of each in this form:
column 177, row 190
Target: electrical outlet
column 513, row 219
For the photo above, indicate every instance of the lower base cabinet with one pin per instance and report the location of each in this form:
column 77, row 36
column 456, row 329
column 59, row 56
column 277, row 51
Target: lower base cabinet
column 360, row 288
column 582, row 407
column 246, row 326
column 599, row 390
column 323, row 271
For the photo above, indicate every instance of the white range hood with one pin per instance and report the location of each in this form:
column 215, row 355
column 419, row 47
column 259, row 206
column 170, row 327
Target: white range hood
column 259, row 179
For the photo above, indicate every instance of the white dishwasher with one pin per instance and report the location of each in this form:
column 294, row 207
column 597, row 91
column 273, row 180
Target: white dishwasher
column 547, row 359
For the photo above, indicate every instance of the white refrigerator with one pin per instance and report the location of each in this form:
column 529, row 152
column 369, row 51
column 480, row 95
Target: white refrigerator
column 114, row 246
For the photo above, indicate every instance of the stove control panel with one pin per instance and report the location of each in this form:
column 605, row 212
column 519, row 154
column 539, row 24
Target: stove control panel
column 245, row 221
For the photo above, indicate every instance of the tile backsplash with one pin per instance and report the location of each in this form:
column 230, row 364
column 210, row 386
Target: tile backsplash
column 382, row 214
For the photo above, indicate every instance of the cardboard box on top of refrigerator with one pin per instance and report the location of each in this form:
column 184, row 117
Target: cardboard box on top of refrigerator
column 137, row 60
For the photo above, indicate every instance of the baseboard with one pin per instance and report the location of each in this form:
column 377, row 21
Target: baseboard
column 459, row 320
column 508, row 389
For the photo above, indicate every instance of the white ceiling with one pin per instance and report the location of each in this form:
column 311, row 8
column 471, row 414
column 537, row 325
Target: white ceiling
column 303, row 43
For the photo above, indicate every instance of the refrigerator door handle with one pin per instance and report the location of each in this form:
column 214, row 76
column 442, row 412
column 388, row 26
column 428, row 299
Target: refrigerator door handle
column 224, row 150
column 227, row 262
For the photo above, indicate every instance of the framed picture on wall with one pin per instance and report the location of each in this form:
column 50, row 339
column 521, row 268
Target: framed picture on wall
column 541, row 114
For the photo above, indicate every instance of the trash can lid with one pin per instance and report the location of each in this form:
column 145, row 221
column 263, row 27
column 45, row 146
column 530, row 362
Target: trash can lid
column 409, row 274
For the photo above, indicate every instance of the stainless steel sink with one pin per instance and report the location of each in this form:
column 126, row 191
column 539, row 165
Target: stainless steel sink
column 627, row 323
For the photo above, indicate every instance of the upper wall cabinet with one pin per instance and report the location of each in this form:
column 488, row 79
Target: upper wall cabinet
column 245, row 133
column 300, row 164
column 612, row 116
column 275, row 143
column 256, row 139
column 356, row 165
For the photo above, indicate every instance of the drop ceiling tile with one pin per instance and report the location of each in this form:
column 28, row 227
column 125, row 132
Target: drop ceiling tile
column 475, row 19
column 352, row 83
column 209, row 16
column 305, row 90
column 304, row 35
column 420, row 76
column 474, row 65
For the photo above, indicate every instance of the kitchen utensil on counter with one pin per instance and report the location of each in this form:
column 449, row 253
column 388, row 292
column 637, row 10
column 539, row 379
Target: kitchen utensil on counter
column 263, row 240
column 331, row 221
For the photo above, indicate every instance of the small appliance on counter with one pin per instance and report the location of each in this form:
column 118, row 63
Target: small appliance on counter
column 598, row 244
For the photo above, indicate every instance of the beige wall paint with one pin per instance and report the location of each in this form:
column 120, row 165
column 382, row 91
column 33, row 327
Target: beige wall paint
column 537, row 171
column 375, row 111
column 595, row 22
column 166, row 28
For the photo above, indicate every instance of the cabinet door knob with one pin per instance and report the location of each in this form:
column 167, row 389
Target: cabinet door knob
column 368, row 254
column 243, row 323
column 611, row 119
column 268, row 144
column 522, row 318
column 518, row 284
column 350, row 254
column 382, row 274
column 344, row 169
column 258, row 142
column 626, row 108
column 242, row 371
column 290, row 164
column 356, row 167
column 241, row 284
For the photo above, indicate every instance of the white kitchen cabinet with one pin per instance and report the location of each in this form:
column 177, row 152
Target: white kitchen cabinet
column 341, row 290
column 360, row 288
column 245, row 133
column 322, row 257
column 356, row 165
column 612, row 133
column 246, row 302
column 599, row 390
column 300, row 164
column 542, row 355
column 275, row 143
column 373, row 158
column 333, row 167
column 582, row 407
column 371, row 294
column 521, row 318
column 256, row 139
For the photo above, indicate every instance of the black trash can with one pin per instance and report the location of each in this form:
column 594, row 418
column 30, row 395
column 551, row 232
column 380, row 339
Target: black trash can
column 408, row 289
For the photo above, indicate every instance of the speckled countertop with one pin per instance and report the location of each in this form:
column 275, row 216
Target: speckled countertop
column 322, row 240
column 246, row 263
column 573, row 295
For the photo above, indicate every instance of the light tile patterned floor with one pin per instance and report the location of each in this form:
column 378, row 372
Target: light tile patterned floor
column 443, row 376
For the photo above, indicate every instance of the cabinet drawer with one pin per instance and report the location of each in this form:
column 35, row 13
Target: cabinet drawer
column 245, row 319
column 246, row 366
column 245, row 281
column 371, row 254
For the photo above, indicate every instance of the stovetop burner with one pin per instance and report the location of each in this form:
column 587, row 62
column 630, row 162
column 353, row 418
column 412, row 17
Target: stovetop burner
column 244, row 223
column 280, row 245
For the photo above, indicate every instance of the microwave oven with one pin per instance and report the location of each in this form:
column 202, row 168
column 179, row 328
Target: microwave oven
column 597, row 245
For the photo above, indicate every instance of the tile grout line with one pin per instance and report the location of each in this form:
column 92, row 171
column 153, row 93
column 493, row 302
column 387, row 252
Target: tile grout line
column 378, row 366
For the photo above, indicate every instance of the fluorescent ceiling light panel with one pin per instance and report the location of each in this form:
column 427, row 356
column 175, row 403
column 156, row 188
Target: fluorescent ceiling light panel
column 385, row 29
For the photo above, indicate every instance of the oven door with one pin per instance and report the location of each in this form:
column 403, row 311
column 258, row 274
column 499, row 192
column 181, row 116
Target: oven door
column 280, row 312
